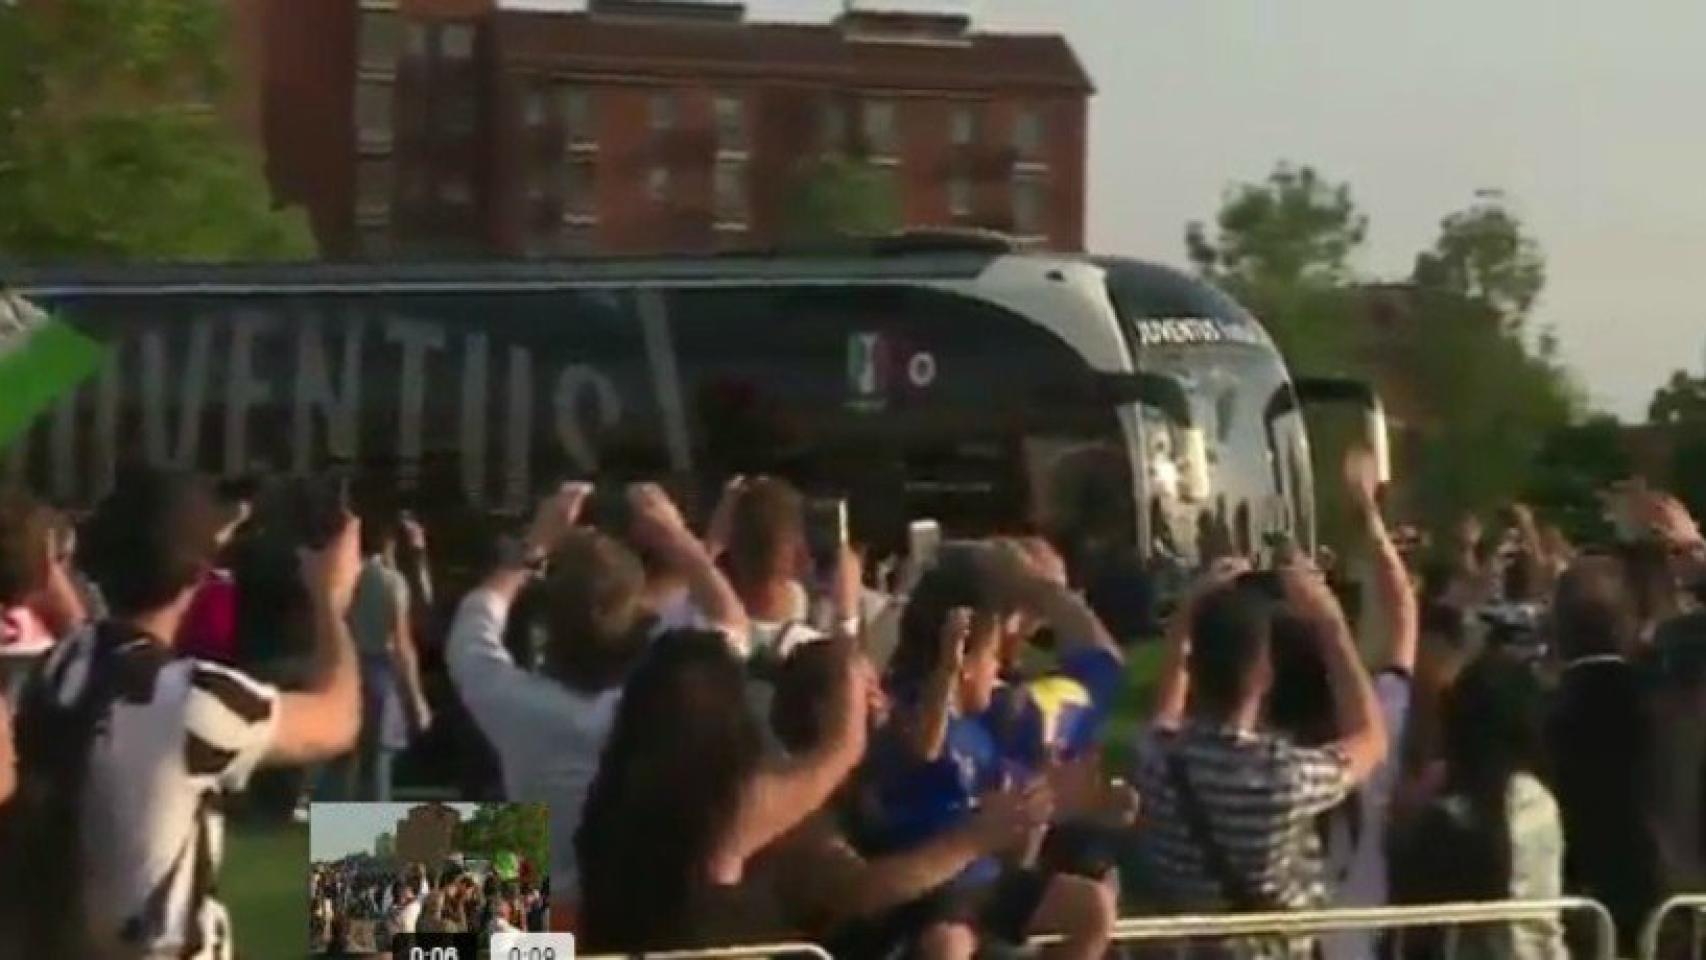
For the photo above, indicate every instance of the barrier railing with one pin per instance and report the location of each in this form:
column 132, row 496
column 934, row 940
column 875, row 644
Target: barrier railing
column 726, row 953
column 1284, row 924
column 1309, row 922
column 1650, row 931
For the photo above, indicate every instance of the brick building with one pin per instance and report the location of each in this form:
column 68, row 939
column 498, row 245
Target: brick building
column 427, row 835
column 464, row 127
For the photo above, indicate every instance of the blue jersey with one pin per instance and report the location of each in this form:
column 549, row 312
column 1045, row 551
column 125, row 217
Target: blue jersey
column 1056, row 716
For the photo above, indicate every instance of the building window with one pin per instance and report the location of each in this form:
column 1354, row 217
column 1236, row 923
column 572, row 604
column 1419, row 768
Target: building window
column 373, row 114
column 456, row 41
column 580, row 201
column 417, row 39
column 375, row 242
column 1030, row 196
column 453, row 191
column 959, row 197
column 578, row 130
column 381, row 40
column 458, row 114
column 731, row 124
column 662, row 112
column 882, row 136
column 657, row 184
column 533, row 109
column 1028, row 134
column 963, row 126
column 730, row 194
column 373, row 187
column 834, row 127
column 576, row 239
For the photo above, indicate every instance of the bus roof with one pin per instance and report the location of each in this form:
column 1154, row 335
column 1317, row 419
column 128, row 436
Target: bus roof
column 908, row 262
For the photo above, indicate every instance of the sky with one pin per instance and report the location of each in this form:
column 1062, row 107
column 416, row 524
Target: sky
column 1586, row 114
column 336, row 830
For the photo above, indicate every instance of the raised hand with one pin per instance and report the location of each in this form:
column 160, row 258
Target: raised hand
column 557, row 515
column 1008, row 819
column 330, row 573
column 1362, row 478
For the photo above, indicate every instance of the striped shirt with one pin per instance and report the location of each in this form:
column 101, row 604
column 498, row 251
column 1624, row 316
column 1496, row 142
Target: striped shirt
column 1260, row 795
column 180, row 734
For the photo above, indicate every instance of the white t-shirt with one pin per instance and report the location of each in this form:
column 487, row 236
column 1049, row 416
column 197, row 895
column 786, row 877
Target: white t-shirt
column 548, row 738
column 404, row 919
column 1355, row 859
column 181, row 734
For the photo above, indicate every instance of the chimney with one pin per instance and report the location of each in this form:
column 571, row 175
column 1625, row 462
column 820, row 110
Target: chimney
column 906, row 21
column 673, row 11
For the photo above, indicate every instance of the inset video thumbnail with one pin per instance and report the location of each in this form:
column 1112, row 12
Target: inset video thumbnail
column 380, row 871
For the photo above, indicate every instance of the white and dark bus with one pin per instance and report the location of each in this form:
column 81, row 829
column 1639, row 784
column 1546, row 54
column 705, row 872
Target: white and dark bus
column 1115, row 405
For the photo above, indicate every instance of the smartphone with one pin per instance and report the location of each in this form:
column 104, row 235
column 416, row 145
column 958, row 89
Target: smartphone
column 609, row 511
column 826, row 531
column 923, row 543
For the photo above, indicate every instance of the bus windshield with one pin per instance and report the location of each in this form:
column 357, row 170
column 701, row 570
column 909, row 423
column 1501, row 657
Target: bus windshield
column 1258, row 487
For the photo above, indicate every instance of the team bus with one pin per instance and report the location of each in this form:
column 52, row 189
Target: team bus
column 1114, row 404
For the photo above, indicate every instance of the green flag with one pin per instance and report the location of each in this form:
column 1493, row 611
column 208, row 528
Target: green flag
column 506, row 865
column 41, row 360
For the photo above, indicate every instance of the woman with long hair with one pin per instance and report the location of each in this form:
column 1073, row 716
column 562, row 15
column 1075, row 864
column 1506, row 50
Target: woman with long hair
column 685, row 796
column 1494, row 832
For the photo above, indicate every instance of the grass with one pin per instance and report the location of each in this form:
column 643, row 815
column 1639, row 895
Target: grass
column 264, row 884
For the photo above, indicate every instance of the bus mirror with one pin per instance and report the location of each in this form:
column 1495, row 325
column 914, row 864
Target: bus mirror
column 1360, row 394
column 1155, row 390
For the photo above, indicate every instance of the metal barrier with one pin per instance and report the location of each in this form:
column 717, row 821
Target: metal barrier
column 1283, row 924
column 726, row 953
column 1308, row 922
column 1696, row 905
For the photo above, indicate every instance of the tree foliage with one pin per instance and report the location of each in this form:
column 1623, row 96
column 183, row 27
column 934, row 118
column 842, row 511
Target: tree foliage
column 1484, row 254
column 1294, row 229
column 1574, row 465
column 1682, row 400
column 1482, row 404
column 521, row 828
column 110, row 146
column 834, row 198
column 1283, row 247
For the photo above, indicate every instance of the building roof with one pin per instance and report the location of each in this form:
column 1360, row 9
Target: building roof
column 580, row 43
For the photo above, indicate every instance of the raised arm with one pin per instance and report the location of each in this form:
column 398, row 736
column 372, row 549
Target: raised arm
column 789, row 789
column 927, row 729
column 480, row 664
column 1393, row 594
column 1030, row 587
column 1362, row 736
column 1173, row 687
column 322, row 721
column 658, row 524
column 1004, row 821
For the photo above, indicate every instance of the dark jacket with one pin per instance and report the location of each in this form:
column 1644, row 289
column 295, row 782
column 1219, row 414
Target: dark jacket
column 1601, row 747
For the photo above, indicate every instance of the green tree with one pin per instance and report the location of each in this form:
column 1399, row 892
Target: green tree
column 1682, row 400
column 110, row 146
column 1283, row 247
column 1294, row 229
column 521, row 828
column 1484, row 253
column 1574, row 464
column 834, row 198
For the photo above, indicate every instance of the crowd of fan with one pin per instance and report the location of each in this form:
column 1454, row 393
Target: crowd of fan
column 357, row 908
column 739, row 744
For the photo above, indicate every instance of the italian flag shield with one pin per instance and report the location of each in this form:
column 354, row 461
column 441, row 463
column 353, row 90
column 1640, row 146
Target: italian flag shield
column 41, row 359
